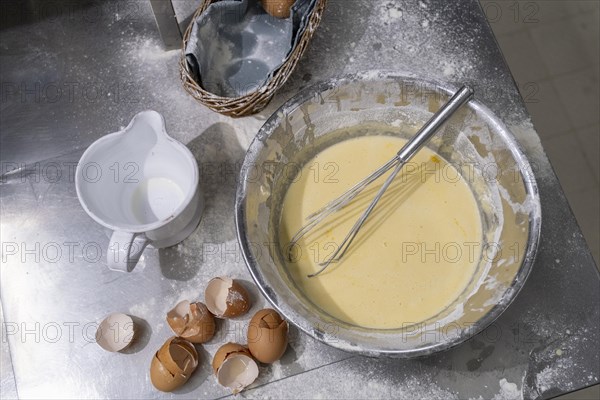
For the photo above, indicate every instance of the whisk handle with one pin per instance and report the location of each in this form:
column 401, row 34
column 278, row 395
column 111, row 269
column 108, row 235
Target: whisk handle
column 463, row 95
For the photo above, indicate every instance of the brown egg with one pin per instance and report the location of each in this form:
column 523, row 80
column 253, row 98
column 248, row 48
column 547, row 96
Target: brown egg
column 192, row 321
column 267, row 336
column 234, row 367
column 173, row 364
column 226, row 298
column 278, row 8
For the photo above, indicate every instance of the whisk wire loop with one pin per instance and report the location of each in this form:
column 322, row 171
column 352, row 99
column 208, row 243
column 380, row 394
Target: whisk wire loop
column 462, row 96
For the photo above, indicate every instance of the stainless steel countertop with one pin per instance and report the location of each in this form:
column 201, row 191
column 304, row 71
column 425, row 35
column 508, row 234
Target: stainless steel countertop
column 74, row 71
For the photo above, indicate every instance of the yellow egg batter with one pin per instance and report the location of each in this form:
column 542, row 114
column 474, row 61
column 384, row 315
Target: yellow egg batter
column 414, row 256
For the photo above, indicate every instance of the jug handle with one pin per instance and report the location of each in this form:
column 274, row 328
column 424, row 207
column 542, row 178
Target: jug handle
column 125, row 250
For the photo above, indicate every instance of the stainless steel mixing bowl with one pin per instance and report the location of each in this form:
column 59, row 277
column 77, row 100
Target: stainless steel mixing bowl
column 474, row 141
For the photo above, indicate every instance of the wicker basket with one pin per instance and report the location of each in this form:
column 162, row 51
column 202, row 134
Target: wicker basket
column 253, row 102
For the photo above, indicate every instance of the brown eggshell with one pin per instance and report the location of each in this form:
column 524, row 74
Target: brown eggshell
column 267, row 336
column 171, row 356
column 225, row 351
column 238, row 301
column 192, row 321
column 226, row 298
column 163, row 379
column 237, row 372
column 173, row 364
column 278, row 8
column 116, row 332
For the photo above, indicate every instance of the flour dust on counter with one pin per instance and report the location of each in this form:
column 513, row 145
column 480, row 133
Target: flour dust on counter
column 427, row 43
column 143, row 60
column 508, row 391
column 335, row 381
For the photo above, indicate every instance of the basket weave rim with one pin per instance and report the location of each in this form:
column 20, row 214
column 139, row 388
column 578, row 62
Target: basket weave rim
column 256, row 100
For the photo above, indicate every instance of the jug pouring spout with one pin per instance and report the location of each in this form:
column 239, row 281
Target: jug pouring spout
column 144, row 132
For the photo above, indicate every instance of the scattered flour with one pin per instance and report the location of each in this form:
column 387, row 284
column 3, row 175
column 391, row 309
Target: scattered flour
column 395, row 13
column 389, row 13
column 508, row 391
column 143, row 309
column 317, row 385
column 448, row 69
column 415, row 389
column 552, row 377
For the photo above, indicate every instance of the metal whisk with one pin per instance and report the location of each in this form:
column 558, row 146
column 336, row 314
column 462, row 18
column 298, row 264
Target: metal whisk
column 462, row 96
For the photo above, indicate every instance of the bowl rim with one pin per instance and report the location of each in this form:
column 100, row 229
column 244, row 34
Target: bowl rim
column 340, row 343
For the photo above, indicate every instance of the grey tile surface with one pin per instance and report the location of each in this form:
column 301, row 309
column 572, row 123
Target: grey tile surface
column 591, row 393
column 554, row 46
column 526, row 61
column 590, row 141
column 588, row 29
column 580, row 96
column 585, row 206
column 553, row 10
column 567, row 158
column 546, row 109
column 509, row 17
column 561, row 51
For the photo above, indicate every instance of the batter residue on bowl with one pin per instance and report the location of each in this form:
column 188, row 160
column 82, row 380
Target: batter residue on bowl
column 413, row 257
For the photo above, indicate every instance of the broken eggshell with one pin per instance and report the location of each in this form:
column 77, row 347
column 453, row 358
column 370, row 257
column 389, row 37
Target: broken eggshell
column 226, row 298
column 115, row 332
column 192, row 321
column 234, row 367
column 173, row 364
column 267, row 336
column 278, row 8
